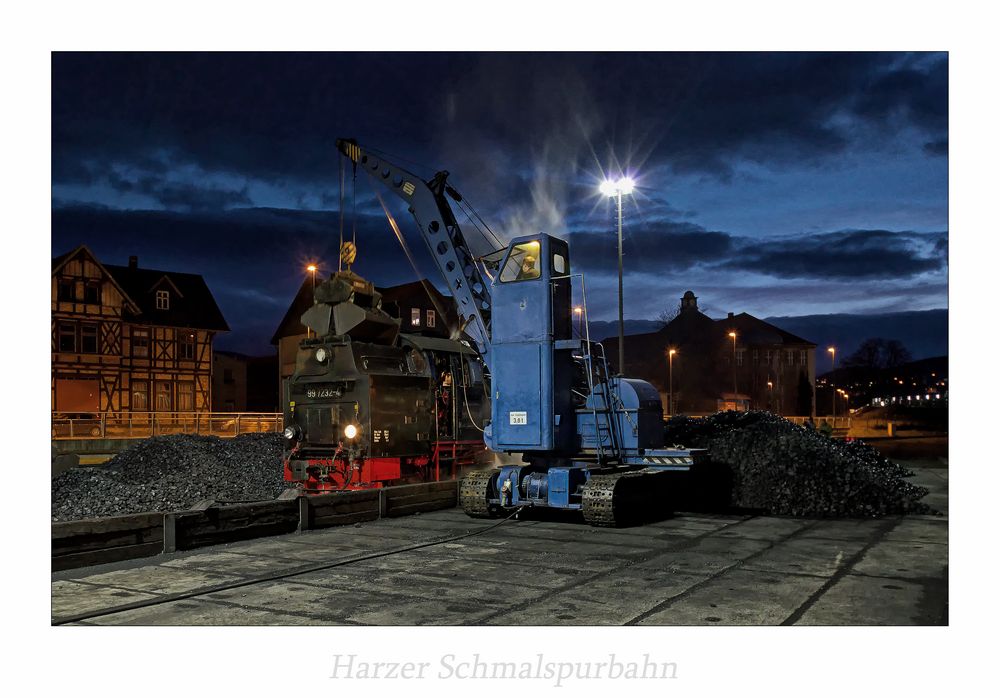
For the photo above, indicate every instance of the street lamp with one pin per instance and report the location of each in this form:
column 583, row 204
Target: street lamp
column 670, row 384
column 578, row 311
column 733, row 335
column 833, row 367
column 312, row 272
column 622, row 187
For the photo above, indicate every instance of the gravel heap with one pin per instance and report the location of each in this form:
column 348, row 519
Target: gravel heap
column 172, row 473
column 785, row 469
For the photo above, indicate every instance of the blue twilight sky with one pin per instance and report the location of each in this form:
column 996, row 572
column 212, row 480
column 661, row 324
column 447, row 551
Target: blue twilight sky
column 771, row 183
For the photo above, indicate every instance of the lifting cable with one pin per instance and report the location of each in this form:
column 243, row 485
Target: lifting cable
column 169, row 598
column 465, row 398
column 499, row 243
column 340, row 263
column 409, row 255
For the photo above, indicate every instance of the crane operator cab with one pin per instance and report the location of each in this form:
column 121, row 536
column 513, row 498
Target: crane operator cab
column 531, row 312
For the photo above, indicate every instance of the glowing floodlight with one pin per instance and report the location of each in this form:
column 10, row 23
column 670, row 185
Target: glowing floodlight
column 623, row 186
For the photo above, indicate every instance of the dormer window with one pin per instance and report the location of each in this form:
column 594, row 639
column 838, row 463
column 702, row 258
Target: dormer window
column 163, row 300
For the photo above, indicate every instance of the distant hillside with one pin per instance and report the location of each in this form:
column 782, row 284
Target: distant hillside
column 924, row 332
column 602, row 329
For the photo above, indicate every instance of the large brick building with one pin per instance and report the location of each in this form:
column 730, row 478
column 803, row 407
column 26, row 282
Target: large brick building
column 130, row 339
column 766, row 367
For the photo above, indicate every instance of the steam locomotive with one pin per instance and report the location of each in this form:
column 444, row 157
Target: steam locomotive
column 368, row 407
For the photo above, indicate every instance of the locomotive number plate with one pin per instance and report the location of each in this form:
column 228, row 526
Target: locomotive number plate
column 321, row 392
column 518, row 417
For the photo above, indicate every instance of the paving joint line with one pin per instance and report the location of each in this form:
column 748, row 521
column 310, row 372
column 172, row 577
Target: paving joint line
column 665, row 604
column 845, row 567
column 681, row 545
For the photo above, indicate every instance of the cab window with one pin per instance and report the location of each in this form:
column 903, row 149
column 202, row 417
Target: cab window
column 523, row 263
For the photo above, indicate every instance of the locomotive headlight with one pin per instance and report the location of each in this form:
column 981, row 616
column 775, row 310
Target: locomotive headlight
column 321, row 355
column 291, row 432
column 350, row 431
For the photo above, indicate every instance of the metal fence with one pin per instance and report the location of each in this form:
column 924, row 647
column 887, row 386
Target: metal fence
column 138, row 425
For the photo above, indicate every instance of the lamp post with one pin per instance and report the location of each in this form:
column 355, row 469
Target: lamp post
column 770, row 397
column 578, row 311
column 617, row 189
column 833, row 367
column 733, row 335
column 312, row 272
column 670, row 381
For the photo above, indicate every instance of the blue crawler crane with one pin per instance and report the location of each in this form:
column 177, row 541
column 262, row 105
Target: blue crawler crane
column 588, row 440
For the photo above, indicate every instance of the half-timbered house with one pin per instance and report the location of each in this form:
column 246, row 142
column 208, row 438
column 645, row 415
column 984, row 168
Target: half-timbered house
column 127, row 339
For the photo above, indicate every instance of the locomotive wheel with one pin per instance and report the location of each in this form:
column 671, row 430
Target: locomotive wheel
column 474, row 492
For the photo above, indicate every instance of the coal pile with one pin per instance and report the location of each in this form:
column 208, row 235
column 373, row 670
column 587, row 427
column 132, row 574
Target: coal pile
column 172, row 473
column 772, row 465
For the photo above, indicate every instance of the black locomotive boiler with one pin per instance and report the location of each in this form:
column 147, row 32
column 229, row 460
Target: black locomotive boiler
column 368, row 406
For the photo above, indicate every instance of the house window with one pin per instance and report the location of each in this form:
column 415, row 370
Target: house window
column 756, row 356
column 92, row 292
column 163, row 300
column 431, row 318
column 164, row 403
column 140, row 396
column 185, row 397
column 803, row 357
column 227, row 376
column 67, row 337
column 415, row 317
column 739, row 357
column 791, row 357
column 187, row 345
column 140, row 343
column 66, row 290
column 88, row 339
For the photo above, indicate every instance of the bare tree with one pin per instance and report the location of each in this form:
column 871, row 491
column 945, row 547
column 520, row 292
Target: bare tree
column 869, row 355
column 668, row 314
column 896, row 354
column 876, row 352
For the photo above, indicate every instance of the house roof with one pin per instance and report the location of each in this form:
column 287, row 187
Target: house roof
column 60, row 261
column 692, row 330
column 752, row 330
column 193, row 304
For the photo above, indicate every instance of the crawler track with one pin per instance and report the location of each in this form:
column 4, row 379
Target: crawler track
column 473, row 493
column 625, row 498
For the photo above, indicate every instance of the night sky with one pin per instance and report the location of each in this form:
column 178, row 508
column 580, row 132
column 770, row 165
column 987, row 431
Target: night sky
column 776, row 184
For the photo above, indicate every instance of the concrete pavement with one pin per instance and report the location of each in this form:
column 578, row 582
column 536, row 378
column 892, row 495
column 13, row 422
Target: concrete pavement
column 694, row 569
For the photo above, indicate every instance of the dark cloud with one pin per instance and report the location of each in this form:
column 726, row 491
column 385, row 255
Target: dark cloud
column 652, row 248
column 938, row 147
column 859, row 254
column 274, row 117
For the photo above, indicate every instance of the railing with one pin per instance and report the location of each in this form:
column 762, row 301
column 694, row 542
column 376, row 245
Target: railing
column 838, row 423
column 140, row 425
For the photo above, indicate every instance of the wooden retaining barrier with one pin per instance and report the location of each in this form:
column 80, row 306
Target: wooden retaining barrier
column 98, row 541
